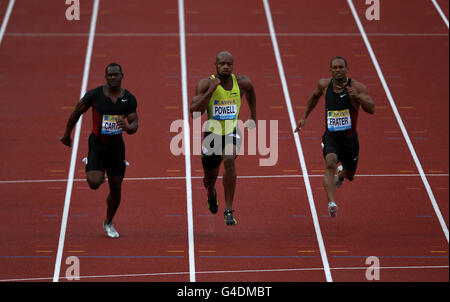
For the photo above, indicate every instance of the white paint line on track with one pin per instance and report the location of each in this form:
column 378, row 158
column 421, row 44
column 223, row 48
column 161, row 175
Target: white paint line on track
column 287, row 98
column 240, row 34
column 187, row 131
column 73, row 158
column 280, row 270
column 6, row 20
column 20, row 181
column 400, row 121
column 441, row 13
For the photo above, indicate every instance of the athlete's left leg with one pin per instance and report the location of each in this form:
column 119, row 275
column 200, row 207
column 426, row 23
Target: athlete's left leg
column 114, row 197
column 229, row 174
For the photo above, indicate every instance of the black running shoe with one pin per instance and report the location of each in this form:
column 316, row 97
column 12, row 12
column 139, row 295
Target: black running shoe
column 213, row 205
column 229, row 217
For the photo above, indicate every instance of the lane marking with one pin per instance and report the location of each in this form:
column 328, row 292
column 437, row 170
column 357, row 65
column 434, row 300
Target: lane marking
column 400, row 122
column 24, row 181
column 6, row 20
column 287, row 98
column 146, row 35
column 187, row 146
column 441, row 13
column 423, row 267
column 73, row 158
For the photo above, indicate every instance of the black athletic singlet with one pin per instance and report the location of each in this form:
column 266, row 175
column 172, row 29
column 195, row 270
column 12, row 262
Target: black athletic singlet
column 104, row 113
column 341, row 117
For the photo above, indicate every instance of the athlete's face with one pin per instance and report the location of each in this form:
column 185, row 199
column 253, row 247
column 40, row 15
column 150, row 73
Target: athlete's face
column 338, row 69
column 113, row 76
column 224, row 66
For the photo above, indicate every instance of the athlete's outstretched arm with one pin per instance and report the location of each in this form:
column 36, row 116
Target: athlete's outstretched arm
column 80, row 108
column 203, row 92
column 312, row 102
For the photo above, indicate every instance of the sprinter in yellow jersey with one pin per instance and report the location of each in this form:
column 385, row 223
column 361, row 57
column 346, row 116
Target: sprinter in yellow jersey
column 220, row 96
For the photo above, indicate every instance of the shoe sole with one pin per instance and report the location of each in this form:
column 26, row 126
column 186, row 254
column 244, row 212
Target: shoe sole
column 333, row 211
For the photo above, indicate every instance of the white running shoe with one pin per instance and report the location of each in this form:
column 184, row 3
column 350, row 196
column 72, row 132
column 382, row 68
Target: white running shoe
column 110, row 230
column 332, row 208
column 339, row 181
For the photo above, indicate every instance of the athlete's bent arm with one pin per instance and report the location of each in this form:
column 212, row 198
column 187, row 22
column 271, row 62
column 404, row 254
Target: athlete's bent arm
column 132, row 125
column 359, row 94
column 312, row 102
column 250, row 95
column 203, row 92
column 80, row 108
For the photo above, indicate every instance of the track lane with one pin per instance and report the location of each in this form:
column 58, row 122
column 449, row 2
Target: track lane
column 34, row 93
column 151, row 218
column 341, row 231
column 244, row 246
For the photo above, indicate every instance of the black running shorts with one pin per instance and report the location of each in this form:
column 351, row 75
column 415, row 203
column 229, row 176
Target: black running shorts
column 212, row 154
column 106, row 157
column 346, row 149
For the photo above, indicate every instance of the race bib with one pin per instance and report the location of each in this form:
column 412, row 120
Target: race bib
column 109, row 125
column 224, row 109
column 339, row 120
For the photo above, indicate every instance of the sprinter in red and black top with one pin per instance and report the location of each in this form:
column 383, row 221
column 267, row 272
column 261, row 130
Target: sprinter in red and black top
column 113, row 111
column 343, row 98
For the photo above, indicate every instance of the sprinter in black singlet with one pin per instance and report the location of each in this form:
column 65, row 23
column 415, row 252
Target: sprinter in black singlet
column 343, row 97
column 113, row 111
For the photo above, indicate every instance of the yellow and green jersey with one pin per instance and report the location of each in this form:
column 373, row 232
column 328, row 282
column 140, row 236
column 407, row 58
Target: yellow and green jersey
column 223, row 109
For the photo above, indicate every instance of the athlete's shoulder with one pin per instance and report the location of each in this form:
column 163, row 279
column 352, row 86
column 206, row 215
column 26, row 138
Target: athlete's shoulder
column 358, row 85
column 324, row 82
column 129, row 94
column 243, row 81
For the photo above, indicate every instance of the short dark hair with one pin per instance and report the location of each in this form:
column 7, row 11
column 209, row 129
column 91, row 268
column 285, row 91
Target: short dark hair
column 338, row 58
column 113, row 65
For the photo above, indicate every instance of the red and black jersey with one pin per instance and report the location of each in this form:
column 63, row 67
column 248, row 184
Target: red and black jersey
column 105, row 112
column 340, row 115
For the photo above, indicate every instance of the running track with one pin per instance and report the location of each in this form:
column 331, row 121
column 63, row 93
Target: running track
column 283, row 231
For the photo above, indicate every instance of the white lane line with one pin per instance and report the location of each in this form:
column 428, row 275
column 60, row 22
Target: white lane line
column 187, row 146
column 240, row 34
column 287, row 98
column 281, row 270
column 400, row 121
column 87, row 64
column 20, row 181
column 441, row 13
column 6, row 19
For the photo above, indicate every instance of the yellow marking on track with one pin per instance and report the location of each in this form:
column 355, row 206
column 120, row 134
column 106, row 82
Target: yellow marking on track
column 339, row 251
column 359, row 55
column 44, row 251
column 173, row 171
column 67, row 107
column 75, row 251
column 405, row 171
column 443, row 252
column 208, row 251
column 100, row 55
column 406, row 107
column 57, row 171
column 176, row 251
column 290, row 170
column 381, row 107
column 306, row 251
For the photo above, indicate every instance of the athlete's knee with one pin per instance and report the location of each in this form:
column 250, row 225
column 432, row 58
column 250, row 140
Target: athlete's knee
column 228, row 161
column 94, row 184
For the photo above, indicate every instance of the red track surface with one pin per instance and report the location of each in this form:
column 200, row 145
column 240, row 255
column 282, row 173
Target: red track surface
column 275, row 240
